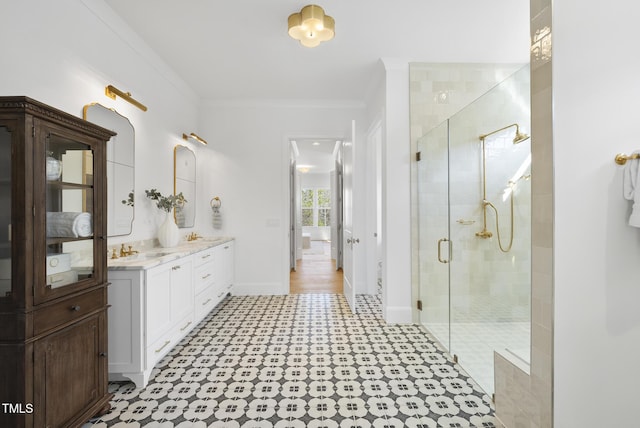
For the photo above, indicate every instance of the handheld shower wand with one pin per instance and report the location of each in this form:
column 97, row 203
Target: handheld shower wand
column 485, row 233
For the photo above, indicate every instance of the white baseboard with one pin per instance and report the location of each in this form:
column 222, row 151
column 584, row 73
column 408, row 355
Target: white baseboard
column 398, row 315
column 259, row 289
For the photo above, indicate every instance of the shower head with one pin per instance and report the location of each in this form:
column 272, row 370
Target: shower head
column 520, row 137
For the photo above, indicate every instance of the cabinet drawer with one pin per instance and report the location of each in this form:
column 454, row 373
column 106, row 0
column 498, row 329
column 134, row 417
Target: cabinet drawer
column 203, row 276
column 68, row 310
column 161, row 347
column 203, row 257
column 206, row 301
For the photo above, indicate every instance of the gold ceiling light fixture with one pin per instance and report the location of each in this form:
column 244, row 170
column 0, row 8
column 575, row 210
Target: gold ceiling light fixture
column 194, row 136
column 111, row 91
column 311, row 26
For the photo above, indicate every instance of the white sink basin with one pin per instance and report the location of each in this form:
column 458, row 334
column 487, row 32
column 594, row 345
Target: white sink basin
column 146, row 255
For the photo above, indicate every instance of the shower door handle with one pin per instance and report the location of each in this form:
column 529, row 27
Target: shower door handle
column 440, row 241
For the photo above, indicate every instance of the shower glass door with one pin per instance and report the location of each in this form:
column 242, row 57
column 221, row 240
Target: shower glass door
column 475, row 230
column 490, row 275
column 433, row 197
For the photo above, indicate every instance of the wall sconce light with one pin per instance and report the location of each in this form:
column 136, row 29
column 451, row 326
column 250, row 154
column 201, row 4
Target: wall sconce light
column 311, row 26
column 111, row 91
column 194, row 136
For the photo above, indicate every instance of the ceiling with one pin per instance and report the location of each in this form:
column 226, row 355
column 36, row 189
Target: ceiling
column 315, row 156
column 240, row 49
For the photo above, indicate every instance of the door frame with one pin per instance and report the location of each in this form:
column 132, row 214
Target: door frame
column 287, row 209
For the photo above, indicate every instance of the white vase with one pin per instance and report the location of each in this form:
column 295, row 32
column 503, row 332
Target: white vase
column 168, row 232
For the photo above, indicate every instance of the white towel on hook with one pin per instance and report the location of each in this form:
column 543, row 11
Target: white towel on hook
column 631, row 188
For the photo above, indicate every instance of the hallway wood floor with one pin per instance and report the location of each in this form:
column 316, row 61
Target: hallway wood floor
column 316, row 271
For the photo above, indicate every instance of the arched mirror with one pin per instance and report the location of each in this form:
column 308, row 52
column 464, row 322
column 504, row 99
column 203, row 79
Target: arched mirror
column 120, row 167
column 184, row 181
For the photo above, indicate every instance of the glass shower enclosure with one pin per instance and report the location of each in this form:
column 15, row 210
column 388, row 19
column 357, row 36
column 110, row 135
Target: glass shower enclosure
column 474, row 208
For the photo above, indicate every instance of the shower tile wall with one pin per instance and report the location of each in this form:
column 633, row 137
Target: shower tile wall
column 526, row 398
column 437, row 92
column 484, row 275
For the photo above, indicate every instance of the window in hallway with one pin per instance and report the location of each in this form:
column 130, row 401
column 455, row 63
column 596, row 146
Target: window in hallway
column 316, row 207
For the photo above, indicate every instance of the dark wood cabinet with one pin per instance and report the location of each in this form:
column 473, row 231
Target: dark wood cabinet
column 53, row 285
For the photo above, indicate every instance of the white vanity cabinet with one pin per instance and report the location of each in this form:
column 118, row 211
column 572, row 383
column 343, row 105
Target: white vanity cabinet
column 150, row 311
column 153, row 307
column 213, row 278
column 224, row 267
column 204, row 281
column 168, row 308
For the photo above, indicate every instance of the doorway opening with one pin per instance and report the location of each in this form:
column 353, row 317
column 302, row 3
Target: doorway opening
column 316, row 216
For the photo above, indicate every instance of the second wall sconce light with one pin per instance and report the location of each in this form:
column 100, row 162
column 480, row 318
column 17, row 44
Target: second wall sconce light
column 111, row 91
column 194, row 136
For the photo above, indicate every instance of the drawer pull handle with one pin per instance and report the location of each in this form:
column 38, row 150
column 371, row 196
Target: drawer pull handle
column 185, row 327
column 206, row 276
column 205, row 303
column 220, row 295
column 102, row 354
column 163, row 346
column 176, row 267
column 204, row 257
column 75, row 308
column 226, row 248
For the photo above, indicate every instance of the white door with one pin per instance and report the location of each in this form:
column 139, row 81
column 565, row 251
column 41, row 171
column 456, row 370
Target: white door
column 350, row 241
column 293, row 215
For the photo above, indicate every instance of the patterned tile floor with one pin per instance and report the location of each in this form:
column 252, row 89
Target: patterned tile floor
column 302, row 361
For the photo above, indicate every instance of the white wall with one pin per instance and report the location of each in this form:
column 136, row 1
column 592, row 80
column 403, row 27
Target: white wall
column 396, row 205
column 67, row 65
column 247, row 160
column 596, row 98
column 64, row 55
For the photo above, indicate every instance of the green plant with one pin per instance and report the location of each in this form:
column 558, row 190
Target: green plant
column 166, row 203
column 129, row 201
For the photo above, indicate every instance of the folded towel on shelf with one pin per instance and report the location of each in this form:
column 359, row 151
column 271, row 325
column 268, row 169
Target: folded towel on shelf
column 69, row 225
column 631, row 188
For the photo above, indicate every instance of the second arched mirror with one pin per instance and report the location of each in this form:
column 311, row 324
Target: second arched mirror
column 184, row 181
column 120, row 167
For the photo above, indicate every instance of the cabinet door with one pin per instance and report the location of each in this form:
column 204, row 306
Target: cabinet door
column 230, row 261
column 181, row 289
column 5, row 210
column 69, row 181
column 68, row 372
column 158, row 302
column 224, row 260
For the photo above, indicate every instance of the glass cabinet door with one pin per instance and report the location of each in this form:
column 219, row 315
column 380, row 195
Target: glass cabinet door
column 67, row 173
column 5, row 212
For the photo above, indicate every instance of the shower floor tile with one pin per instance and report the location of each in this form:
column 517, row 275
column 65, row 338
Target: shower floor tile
column 475, row 342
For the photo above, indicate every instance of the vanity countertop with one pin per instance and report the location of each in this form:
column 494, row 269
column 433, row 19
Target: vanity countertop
column 155, row 256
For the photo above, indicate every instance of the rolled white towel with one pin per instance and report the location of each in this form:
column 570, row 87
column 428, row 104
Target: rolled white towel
column 69, row 225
